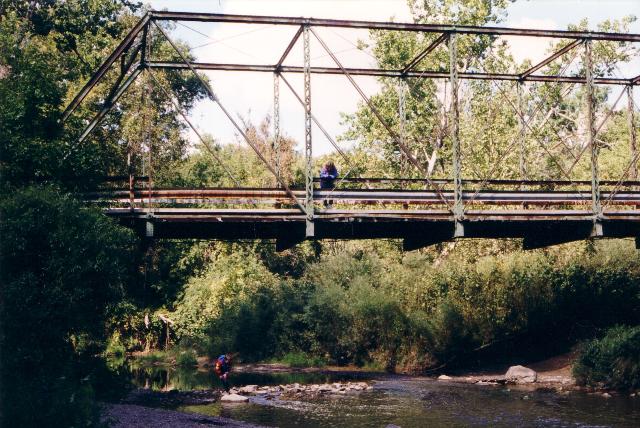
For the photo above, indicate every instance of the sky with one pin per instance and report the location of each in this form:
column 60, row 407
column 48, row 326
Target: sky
column 251, row 94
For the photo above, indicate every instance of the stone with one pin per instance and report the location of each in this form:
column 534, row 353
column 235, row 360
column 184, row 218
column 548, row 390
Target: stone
column 444, row 377
column 606, row 395
column 248, row 389
column 234, row 398
column 520, row 374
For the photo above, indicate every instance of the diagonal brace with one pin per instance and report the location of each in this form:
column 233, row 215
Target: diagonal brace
column 288, row 49
column 424, row 53
column 375, row 111
column 97, row 76
column 315, row 120
column 214, row 98
column 108, row 104
column 180, row 110
column 546, row 61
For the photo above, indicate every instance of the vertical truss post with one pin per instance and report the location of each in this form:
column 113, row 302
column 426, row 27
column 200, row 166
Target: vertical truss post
column 523, row 131
column 131, row 177
column 590, row 117
column 402, row 116
column 308, row 148
column 276, row 125
column 458, row 207
column 633, row 134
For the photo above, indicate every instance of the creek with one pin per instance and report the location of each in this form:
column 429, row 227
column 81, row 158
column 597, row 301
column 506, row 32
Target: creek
column 399, row 400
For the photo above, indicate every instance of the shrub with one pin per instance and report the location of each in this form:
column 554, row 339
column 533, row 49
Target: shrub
column 612, row 361
column 62, row 267
column 301, row 359
column 186, row 359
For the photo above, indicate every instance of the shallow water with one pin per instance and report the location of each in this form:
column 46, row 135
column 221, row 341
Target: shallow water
column 406, row 402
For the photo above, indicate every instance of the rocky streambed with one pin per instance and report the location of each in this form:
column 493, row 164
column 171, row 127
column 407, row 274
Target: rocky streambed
column 296, row 390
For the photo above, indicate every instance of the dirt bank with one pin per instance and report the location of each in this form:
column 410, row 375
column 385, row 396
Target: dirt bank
column 132, row 416
column 553, row 374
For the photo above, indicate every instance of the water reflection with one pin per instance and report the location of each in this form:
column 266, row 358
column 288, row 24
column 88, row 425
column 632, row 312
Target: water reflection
column 187, row 379
column 406, row 402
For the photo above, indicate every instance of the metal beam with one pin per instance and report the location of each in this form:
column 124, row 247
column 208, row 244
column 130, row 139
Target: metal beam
column 214, row 98
column 104, row 67
column 635, row 80
column 308, row 145
column 424, row 53
column 633, row 133
column 276, row 123
column 317, row 122
column 591, row 132
column 523, row 133
column 289, row 47
column 395, row 26
column 376, row 113
column 546, row 61
column 108, row 105
column 380, row 72
column 180, row 109
column 454, row 134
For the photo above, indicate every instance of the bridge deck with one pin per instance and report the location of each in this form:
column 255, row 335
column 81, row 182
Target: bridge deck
column 418, row 217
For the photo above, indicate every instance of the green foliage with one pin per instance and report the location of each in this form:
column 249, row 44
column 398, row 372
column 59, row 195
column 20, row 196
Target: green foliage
column 115, row 348
column 369, row 303
column 63, row 266
column 300, row 359
column 186, row 358
column 612, row 361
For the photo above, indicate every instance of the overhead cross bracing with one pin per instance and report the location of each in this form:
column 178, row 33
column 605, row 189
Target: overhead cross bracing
column 543, row 212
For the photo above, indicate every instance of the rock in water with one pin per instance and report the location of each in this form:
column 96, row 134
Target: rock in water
column 520, row 374
column 235, row 398
column 444, row 377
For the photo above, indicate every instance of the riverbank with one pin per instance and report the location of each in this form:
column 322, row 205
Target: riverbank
column 387, row 399
column 553, row 374
column 134, row 416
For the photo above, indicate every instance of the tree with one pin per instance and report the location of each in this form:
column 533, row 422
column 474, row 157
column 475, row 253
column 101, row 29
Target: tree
column 63, row 266
column 49, row 50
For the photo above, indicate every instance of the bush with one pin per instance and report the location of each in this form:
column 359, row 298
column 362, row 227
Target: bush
column 612, row 361
column 301, row 359
column 186, row 359
column 62, row 267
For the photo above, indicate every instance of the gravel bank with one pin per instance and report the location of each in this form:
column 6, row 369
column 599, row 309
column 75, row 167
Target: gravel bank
column 132, row 416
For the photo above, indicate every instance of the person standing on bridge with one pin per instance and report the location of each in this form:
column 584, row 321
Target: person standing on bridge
column 328, row 175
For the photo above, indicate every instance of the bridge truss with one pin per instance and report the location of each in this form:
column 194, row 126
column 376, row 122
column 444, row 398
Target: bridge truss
column 420, row 211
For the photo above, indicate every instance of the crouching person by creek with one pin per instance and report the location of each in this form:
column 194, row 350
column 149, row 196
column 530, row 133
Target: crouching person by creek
column 222, row 369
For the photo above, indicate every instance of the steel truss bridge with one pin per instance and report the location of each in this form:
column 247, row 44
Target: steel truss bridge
column 422, row 211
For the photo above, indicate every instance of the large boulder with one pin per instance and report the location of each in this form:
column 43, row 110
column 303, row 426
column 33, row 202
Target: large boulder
column 520, row 374
column 234, row 398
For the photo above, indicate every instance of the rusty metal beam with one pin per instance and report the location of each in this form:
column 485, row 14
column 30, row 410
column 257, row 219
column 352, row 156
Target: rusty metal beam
column 288, row 49
column 375, row 111
column 546, row 61
column 108, row 105
column 214, row 98
column 317, row 122
column 180, row 110
column 308, row 145
column 454, row 135
column 394, row 26
column 424, row 53
column 591, row 132
column 104, row 67
column 379, row 72
column 633, row 133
